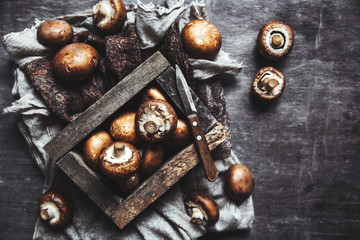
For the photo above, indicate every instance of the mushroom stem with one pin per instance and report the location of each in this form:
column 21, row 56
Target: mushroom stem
column 197, row 216
column 119, row 149
column 151, row 127
column 48, row 212
column 272, row 83
column 277, row 41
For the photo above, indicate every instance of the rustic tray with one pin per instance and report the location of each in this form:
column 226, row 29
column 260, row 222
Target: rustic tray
column 122, row 211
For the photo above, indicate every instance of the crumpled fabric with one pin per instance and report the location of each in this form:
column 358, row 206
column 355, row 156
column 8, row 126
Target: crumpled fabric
column 167, row 217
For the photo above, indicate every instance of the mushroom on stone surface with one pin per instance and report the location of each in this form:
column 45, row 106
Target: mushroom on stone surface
column 122, row 128
column 268, row 84
column 119, row 159
column 93, row 147
column 129, row 183
column 75, row 62
column 201, row 39
column 54, row 33
column 239, row 182
column 181, row 136
column 155, row 120
column 202, row 206
column 55, row 209
column 109, row 16
column 152, row 94
column 152, row 158
column 275, row 40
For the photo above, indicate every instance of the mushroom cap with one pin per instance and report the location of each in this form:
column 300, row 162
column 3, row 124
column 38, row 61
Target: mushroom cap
column 205, row 204
column 201, row 39
column 93, row 147
column 55, row 33
column 155, row 120
column 109, row 16
column 275, row 40
column 119, row 159
column 239, row 182
column 181, row 136
column 75, row 62
column 122, row 128
column 152, row 94
column 129, row 183
column 152, row 158
column 55, row 209
column 268, row 84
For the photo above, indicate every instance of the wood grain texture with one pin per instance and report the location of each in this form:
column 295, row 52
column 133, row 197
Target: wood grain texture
column 97, row 113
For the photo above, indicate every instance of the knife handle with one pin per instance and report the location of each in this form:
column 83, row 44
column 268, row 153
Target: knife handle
column 203, row 148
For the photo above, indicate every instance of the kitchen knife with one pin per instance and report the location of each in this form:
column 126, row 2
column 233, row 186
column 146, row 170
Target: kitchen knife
column 191, row 113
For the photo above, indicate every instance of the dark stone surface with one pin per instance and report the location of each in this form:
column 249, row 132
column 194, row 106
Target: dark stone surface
column 303, row 149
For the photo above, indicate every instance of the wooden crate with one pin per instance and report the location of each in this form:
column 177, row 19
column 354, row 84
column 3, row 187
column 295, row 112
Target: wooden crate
column 120, row 210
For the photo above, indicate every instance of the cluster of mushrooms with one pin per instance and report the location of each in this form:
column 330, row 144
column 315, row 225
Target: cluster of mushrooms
column 274, row 42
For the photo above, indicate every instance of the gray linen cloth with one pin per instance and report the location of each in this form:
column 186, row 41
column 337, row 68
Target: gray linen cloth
column 167, row 217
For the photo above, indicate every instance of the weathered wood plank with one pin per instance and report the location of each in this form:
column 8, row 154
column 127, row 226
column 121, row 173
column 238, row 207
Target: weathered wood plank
column 170, row 173
column 122, row 92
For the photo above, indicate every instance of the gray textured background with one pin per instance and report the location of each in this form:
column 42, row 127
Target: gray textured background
column 304, row 149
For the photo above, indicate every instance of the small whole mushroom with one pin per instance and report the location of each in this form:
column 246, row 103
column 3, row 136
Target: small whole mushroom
column 54, row 33
column 155, row 120
column 119, row 160
column 122, row 128
column 201, row 39
column 129, row 183
column 152, row 158
column 181, row 136
column 202, row 207
column 239, row 182
column 75, row 62
column 93, row 147
column 55, row 209
column 152, row 94
column 109, row 16
column 275, row 40
column 268, row 84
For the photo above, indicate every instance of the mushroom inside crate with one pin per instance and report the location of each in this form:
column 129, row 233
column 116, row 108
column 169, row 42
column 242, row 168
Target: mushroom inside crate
column 135, row 142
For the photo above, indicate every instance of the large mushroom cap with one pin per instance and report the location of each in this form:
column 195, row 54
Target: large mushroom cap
column 201, row 39
column 268, row 83
column 119, row 160
column 122, row 128
column 202, row 206
column 55, row 209
column 275, row 40
column 155, row 120
column 93, row 147
column 129, row 183
column 239, row 182
column 152, row 158
column 109, row 16
column 54, row 33
column 152, row 94
column 181, row 136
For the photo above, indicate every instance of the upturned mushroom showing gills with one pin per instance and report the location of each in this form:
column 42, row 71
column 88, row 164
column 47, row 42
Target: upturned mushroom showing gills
column 93, row 147
column 155, row 120
column 75, row 62
column 119, row 160
column 54, row 33
column 202, row 208
column 239, row 182
column 275, row 40
column 201, row 39
column 109, row 16
column 268, row 84
column 55, row 209
column 122, row 128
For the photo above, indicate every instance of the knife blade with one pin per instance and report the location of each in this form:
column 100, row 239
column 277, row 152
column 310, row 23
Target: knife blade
column 191, row 113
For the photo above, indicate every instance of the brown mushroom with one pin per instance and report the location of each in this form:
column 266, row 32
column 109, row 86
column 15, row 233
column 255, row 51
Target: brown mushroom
column 202, row 206
column 119, row 160
column 275, row 40
column 55, row 209
column 155, row 120
column 109, row 16
column 152, row 94
column 122, row 128
column 268, row 84
column 93, row 147
column 75, row 62
column 201, row 39
column 181, row 136
column 239, row 182
column 152, row 158
column 129, row 183
column 54, row 33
